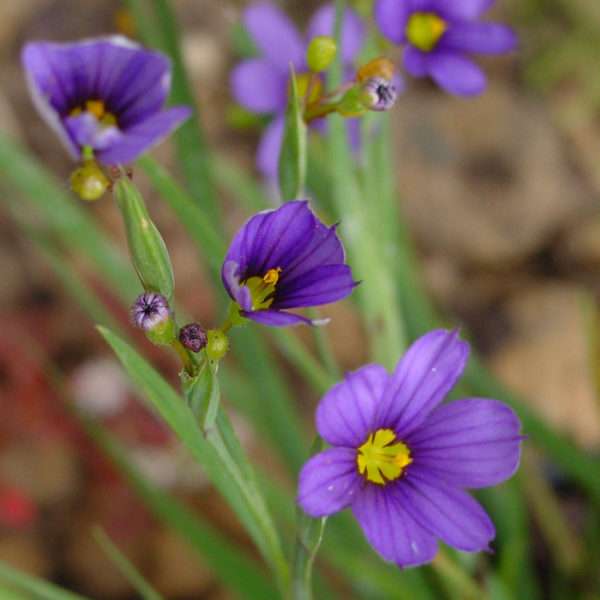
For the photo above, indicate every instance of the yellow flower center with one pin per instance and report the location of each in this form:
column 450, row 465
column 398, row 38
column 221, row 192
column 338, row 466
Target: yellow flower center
column 424, row 30
column 380, row 460
column 262, row 289
column 96, row 108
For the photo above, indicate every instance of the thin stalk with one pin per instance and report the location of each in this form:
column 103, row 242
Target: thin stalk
column 125, row 566
column 324, row 349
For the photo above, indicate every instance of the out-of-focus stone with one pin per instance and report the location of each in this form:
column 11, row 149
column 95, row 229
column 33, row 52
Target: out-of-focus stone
column 549, row 358
column 26, row 553
column 484, row 181
column 46, row 470
column 178, row 572
column 100, row 388
column 580, row 247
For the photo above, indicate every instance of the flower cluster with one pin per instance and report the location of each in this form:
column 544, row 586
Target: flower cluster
column 401, row 461
column 399, row 458
column 261, row 84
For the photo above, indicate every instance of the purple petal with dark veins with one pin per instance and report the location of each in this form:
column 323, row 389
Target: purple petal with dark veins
column 277, row 318
column 390, row 528
column 321, row 285
column 345, row 414
column 447, row 512
column 424, row 375
column 143, row 136
column 328, row 482
column 470, row 443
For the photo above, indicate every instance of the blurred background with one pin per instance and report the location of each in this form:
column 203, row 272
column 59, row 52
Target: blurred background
column 502, row 197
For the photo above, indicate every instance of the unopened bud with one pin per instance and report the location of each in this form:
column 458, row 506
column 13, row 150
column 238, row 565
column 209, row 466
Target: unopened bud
column 217, row 344
column 151, row 313
column 379, row 67
column 147, row 248
column 88, row 181
column 378, row 94
column 193, row 337
column 321, row 53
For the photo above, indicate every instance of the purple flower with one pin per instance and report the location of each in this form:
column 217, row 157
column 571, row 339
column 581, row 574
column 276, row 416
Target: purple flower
column 401, row 461
column 261, row 84
column 439, row 34
column 106, row 94
column 285, row 258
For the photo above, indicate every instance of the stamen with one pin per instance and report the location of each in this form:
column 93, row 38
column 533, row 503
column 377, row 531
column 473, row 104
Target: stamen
column 97, row 108
column 380, row 460
column 262, row 289
column 271, row 277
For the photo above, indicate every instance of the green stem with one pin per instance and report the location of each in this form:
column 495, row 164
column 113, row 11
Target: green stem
column 309, row 535
column 324, row 349
column 186, row 360
column 255, row 502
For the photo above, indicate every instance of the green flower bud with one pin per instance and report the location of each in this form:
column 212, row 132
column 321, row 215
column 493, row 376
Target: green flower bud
column 217, row 344
column 88, row 181
column 146, row 246
column 321, row 53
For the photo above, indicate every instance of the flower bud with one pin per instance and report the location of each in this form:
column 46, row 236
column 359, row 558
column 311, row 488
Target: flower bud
column 321, row 53
column 378, row 94
column 193, row 337
column 151, row 313
column 379, row 67
column 217, row 344
column 88, row 181
column 148, row 250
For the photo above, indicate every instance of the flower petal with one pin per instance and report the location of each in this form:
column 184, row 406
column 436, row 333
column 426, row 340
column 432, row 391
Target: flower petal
column 328, row 482
column 462, row 9
column 416, row 61
column 258, row 86
column 390, row 528
column 456, row 74
column 483, row 38
column 231, row 280
column 391, row 17
column 85, row 130
column 423, row 377
column 345, row 414
column 267, row 155
column 447, row 512
column 145, row 135
column 470, row 443
column 353, row 30
column 275, row 35
column 321, row 285
column 276, row 318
